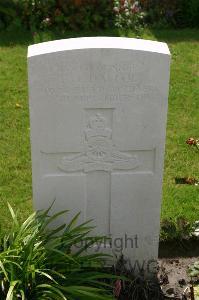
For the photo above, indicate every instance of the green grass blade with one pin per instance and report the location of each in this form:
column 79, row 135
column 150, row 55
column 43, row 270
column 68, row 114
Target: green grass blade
column 14, row 217
column 11, row 290
column 55, row 216
column 73, row 221
column 56, row 290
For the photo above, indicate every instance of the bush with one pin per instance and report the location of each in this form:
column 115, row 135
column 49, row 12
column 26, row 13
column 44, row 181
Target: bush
column 176, row 13
column 188, row 14
column 7, row 13
column 128, row 14
column 67, row 15
column 37, row 262
column 60, row 14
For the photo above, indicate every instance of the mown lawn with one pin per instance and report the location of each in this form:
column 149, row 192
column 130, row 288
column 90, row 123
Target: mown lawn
column 183, row 121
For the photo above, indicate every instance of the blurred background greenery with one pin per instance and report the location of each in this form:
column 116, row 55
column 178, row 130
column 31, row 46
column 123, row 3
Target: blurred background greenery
column 24, row 22
column 67, row 15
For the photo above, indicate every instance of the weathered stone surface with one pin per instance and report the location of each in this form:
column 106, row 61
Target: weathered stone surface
column 98, row 111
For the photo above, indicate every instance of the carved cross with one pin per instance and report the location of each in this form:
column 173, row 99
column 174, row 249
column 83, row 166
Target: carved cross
column 98, row 162
column 100, row 154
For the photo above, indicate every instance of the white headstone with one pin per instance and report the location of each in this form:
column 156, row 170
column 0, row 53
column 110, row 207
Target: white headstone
column 98, row 110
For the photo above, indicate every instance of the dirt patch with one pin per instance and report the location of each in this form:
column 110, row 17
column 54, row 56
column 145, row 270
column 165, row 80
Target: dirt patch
column 173, row 277
column 171, row 282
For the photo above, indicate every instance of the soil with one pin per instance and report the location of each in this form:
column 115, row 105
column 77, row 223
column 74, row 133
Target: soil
column 173, row 277
column 174, row 260
column 172, row 280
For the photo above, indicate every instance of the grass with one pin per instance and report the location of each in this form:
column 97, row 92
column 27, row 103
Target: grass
column 183, row 121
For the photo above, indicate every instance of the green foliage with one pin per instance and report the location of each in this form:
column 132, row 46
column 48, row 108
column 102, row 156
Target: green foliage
column 175, row 230
column 183, row 116
column 7, row 13
column 97, row 14
column 36, row 261
column 160, row 13
column 175, row 13
column 193, row 270
column 128, row 14
column 189, row 13
column 63, row 15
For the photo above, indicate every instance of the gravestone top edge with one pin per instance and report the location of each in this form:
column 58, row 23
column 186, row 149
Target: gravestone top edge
column 98, row 43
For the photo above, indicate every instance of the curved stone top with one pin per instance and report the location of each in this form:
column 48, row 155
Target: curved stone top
column 98, row 43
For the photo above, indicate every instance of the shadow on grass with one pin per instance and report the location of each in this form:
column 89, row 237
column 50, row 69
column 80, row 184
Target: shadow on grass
column 176, row 35
column 15, row 37
column 24, row 38
column 18, row 36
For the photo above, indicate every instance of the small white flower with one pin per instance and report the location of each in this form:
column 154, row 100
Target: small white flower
column 116, row 9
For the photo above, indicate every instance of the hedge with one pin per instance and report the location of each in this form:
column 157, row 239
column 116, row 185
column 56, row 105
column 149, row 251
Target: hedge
column 98, row 14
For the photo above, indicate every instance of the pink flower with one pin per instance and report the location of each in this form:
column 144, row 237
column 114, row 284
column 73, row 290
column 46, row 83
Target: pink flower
column 135, row 8
column 117, row 288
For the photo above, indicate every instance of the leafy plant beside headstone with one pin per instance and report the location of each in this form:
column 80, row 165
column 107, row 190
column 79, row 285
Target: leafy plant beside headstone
column 178, row 230
column 36, row 261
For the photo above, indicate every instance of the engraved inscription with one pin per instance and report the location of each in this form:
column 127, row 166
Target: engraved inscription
column 100, row 153
column 108, row 94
